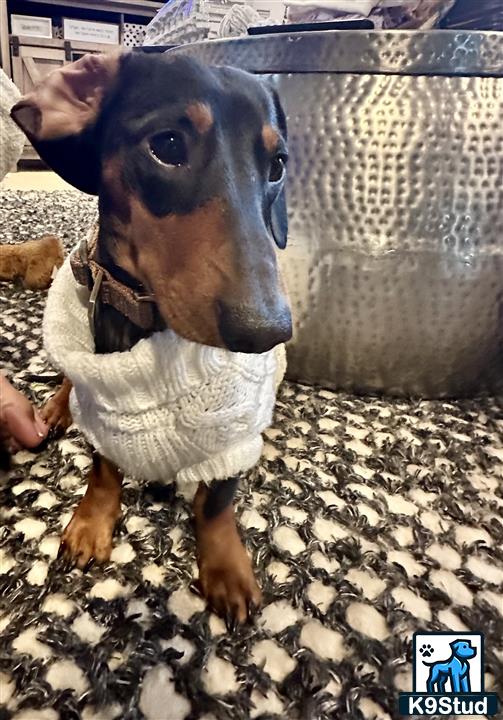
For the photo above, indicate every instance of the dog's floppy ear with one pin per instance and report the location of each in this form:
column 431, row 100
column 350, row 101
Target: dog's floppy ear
column 279, row 218
column 59, row 117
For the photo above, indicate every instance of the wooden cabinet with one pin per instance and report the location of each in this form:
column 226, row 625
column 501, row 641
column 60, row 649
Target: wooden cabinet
column 32, row 63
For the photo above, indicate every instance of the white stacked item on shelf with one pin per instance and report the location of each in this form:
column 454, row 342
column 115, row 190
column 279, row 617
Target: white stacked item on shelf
column 217, row 12
column 179, row 22
column 182, row 21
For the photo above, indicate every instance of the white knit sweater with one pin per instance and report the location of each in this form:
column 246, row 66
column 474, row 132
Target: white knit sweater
column 168, row 409
column 11, row 137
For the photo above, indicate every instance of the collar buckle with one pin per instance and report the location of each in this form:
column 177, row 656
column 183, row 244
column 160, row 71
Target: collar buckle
column 91, row 308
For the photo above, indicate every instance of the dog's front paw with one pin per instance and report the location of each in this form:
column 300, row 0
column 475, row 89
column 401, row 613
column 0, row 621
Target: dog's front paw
column 56, row 412
column 227, row 581
column 58, row 418
column 88, row 537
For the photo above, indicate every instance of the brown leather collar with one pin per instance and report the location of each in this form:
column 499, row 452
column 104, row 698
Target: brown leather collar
column 138, row 306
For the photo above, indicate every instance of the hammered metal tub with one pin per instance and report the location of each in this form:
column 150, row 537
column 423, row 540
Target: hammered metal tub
column 395, row 257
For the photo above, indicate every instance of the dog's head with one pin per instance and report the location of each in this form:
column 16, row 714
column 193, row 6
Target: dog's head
column 463, row 650
column 189, row 165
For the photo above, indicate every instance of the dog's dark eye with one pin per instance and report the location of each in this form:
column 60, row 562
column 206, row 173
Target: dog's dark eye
column 277, row 168
column 169, row 147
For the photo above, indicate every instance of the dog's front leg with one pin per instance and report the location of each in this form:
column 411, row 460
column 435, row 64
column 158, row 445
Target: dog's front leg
column 226, row 577
column 88, row 536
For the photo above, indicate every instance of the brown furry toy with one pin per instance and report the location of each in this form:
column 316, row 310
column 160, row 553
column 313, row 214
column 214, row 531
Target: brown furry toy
column 33, row 262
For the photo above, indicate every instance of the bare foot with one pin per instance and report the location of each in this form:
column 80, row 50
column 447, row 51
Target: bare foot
column 20, row 423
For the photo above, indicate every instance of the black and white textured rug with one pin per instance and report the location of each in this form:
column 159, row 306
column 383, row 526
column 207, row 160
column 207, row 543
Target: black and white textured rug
column 368, row 519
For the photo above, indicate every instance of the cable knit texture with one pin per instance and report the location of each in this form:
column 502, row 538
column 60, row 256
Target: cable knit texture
column 11, row 137
column 168, row 409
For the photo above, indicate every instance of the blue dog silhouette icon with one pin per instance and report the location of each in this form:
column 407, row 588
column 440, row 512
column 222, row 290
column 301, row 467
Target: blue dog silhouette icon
column 456, row 669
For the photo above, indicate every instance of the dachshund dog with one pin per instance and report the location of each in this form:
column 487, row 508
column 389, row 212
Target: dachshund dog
column 188, row 163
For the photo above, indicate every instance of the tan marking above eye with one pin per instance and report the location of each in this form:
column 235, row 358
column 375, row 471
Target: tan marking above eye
column 271, row 138
column 201, row 116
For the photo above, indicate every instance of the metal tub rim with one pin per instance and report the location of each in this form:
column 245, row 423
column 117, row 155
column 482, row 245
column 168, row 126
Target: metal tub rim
column 398, row 52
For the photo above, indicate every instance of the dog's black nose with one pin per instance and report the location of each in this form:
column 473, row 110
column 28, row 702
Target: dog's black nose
column 245, row 330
